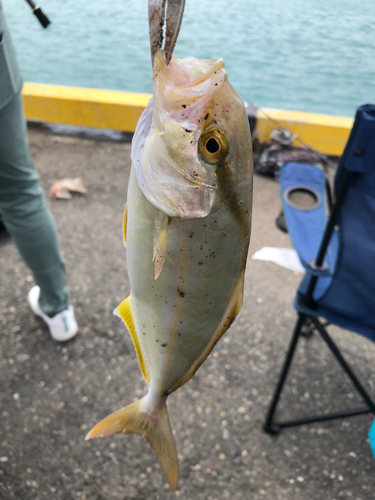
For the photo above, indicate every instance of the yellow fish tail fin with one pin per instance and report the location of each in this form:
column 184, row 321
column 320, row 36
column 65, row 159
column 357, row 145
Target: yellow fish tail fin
column 155, row 427
column 124, row 311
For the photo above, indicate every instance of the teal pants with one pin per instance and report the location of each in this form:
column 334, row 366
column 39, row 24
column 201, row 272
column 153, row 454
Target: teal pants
column 22, row 203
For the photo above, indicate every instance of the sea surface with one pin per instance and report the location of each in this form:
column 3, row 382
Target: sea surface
column 307, row 55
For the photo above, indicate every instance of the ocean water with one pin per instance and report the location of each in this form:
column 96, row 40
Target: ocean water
column 308, row 55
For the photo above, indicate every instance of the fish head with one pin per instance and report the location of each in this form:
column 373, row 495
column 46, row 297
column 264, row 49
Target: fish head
column 187, row 134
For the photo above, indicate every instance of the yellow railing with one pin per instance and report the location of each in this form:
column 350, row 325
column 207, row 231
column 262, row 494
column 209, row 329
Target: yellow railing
column 327, row 134
column 83, row 107
column 121, row 111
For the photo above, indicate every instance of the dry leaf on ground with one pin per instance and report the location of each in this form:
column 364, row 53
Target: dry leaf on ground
column 64, row 187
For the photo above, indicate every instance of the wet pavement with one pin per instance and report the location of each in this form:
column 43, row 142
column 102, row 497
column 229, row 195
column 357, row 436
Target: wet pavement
column 52, row 394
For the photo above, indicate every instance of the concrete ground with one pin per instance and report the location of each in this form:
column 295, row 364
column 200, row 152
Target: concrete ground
column 52, row 394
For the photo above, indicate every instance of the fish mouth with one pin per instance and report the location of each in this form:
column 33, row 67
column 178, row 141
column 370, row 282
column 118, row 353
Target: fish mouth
column 207, row 68
column 186, row 83
column 189, row 77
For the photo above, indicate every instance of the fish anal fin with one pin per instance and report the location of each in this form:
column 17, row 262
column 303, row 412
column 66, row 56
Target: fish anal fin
column 160, row 243
column 124, row 224
column 155, row 427
column 124, row 311
column 231, row 312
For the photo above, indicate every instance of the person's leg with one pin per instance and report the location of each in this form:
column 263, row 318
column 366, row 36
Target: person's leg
column 25, row 212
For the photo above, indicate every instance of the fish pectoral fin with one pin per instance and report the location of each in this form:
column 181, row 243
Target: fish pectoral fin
column 124, row 224
column 231, row 312
column 155, row 427
column 160, row 243
column 124, row 311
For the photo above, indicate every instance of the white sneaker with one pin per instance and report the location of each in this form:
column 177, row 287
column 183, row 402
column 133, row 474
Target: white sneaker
column 63, row 326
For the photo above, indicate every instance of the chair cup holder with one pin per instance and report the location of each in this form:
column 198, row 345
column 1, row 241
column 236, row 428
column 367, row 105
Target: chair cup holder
column 302, row 198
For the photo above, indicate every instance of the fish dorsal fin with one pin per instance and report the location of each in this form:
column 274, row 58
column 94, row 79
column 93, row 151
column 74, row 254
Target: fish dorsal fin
column 124, row 224
column 160, row 243
column 124, row 311
column 230, row 314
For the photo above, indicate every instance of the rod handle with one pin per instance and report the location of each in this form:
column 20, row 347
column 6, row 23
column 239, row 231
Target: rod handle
column 42, row 18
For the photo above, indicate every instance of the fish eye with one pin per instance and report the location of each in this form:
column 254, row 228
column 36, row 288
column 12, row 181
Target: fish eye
column 213, row 146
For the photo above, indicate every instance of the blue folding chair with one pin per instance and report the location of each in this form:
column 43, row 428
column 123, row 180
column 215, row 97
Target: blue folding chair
column 336, row 246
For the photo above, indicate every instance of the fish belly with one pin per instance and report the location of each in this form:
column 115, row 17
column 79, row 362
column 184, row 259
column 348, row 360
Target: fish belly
column 178, row 315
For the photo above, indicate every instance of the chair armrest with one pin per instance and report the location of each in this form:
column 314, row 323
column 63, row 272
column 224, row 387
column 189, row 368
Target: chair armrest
column 306, row 222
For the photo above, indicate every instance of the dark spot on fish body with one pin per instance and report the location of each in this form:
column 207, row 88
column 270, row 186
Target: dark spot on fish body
column 180, row 293
column 187, row 130
column 184, row 106
column 207, row 115
column 164, row 345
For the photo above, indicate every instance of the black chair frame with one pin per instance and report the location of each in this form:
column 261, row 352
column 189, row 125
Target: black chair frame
column 270, row 425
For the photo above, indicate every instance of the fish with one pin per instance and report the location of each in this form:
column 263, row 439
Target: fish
column 186, row 229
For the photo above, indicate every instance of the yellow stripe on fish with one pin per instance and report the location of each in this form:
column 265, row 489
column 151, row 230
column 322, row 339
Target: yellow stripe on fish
column 124, row 223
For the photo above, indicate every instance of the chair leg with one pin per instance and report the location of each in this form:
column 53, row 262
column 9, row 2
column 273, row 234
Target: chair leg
column 272, row 427
column 308, row 328
column 335, row 351
column 269, row 425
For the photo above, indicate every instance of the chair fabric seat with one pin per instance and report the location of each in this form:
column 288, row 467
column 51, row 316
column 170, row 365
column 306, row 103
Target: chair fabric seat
column 345, row 295
column 348, row 298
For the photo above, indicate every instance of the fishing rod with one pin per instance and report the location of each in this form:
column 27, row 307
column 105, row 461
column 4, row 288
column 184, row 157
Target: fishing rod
column 39, row 14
